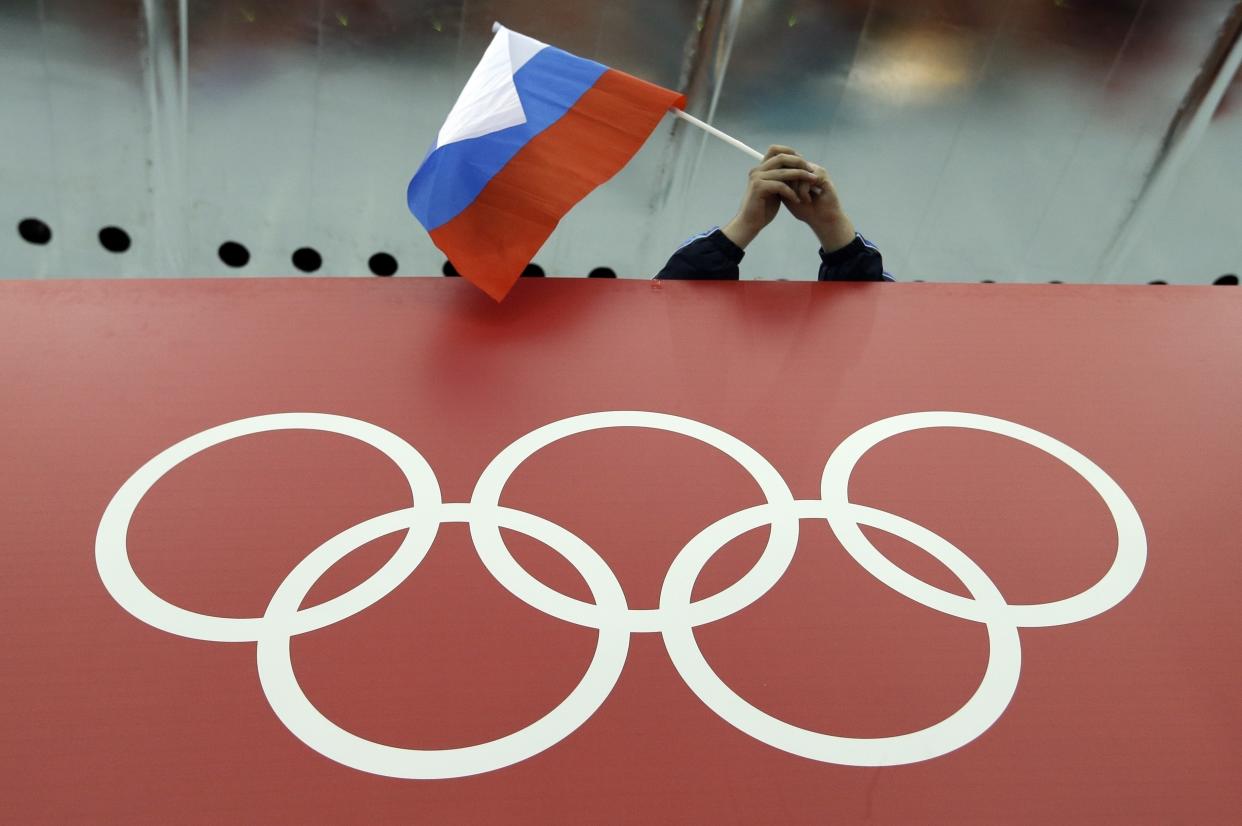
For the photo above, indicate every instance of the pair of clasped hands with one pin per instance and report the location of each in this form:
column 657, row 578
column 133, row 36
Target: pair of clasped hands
column 785, row 177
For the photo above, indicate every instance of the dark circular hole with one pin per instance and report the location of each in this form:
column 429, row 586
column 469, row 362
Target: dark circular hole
column 383, row 264
column 449, row 270
column 603, row 272
column 1157, row 283
column 34, row 231
column 234, row 254
column 987, row 281
column 533, row 271
column 1056, row 282
column 114, row 239
column 1227, row 281
column 307, row 260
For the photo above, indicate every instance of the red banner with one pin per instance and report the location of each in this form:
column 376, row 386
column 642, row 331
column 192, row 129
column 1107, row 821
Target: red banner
column 333, row 550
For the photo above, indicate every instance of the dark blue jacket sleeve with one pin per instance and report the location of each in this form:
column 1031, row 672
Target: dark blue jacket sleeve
column 860, row 260
column 707, row 257
column 713, row 257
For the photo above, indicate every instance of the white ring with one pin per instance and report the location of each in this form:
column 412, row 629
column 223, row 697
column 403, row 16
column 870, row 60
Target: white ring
column 308, row 724
column 776, row 556
column 117, row 571
column 975, row 717
column 1126, row 570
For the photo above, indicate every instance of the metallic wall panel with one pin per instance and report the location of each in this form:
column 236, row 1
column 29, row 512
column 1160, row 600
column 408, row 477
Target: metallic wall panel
column 75, row 132
column 1020, row 140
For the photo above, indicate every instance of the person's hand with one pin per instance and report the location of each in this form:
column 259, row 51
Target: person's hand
column 819, row 207
column 776, row 180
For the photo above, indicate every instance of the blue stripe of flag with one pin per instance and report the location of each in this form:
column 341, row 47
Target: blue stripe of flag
column 452, row 176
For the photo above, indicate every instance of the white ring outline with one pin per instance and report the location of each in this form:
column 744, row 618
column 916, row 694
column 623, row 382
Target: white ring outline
column 1112, row 588
column 984, row 708
column 308, row 724
column 775, row 559
column 122, row 582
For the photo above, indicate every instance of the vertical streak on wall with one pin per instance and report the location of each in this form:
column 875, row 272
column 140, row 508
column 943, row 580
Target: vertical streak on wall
column 707, row 52
column 312, row 157
column 1181, row 139
column 53, row 132
column 166, row 78
column 706, row 77
column 183, row 65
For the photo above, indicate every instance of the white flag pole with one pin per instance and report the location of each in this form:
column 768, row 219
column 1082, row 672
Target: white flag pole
column 711, row 130
column 729, row 139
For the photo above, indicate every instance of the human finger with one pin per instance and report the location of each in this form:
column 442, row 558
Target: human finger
column 824, row 180
column 786, row 174
column 777, row 149
column 778, row 188
column 785, row 161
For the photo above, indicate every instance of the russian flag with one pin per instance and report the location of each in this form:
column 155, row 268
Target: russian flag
column 534, row 132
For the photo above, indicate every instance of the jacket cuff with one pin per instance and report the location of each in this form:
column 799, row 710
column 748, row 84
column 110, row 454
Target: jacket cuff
column 850, row 251
column 725, row 247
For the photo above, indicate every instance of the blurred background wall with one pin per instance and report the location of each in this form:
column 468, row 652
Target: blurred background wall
column 1008, row 140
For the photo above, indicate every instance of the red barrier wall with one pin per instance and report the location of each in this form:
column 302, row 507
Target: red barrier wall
column 1127, row 713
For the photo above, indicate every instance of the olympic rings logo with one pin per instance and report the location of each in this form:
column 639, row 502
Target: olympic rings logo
column 675, row 619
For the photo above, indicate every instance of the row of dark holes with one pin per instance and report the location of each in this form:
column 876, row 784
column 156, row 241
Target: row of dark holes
column 306, row 259
column 534, row 271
